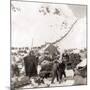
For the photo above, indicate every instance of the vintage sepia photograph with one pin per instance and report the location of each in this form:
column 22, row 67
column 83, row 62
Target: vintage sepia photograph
column 48, row 45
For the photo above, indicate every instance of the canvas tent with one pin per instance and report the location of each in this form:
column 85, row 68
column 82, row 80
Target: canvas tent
column 52, row 49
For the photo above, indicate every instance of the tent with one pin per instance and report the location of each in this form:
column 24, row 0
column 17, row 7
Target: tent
column 52, row 49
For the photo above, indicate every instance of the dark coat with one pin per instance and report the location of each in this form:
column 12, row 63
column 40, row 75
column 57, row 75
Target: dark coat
column 31, row 63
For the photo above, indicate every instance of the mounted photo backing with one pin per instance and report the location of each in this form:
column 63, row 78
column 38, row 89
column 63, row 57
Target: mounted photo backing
column 48, row 44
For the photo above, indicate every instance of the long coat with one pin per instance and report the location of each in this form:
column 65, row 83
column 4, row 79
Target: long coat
column 31, row 63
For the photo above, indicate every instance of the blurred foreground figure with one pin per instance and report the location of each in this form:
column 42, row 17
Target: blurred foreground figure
column 80, row 77
column 31, row 63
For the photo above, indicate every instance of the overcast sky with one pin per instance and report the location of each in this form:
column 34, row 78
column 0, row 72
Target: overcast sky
column 29, row 25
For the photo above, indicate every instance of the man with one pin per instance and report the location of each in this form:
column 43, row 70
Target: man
column 65, row 57
column 15, row 70
column 31, row 63
column 62, row 69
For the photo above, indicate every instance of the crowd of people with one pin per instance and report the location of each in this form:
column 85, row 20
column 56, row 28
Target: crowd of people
column 49, row 67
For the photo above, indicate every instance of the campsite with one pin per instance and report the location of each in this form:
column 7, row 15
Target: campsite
column 49, row 46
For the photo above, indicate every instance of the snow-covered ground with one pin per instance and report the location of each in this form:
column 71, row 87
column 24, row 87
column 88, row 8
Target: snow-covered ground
column 48, row 84
column 70, row 80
